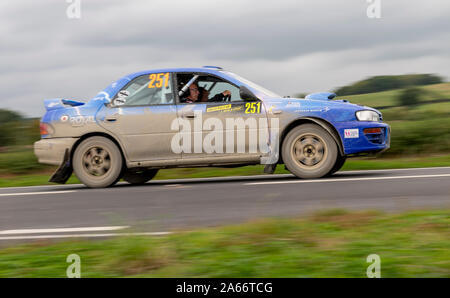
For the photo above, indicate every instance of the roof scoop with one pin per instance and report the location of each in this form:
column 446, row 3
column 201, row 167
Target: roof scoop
column 321, row 96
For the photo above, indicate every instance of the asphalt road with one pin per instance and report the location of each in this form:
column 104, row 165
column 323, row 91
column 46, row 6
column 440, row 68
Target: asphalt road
column 163, row 206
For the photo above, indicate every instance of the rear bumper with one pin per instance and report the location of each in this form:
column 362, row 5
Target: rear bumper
column 51, row 151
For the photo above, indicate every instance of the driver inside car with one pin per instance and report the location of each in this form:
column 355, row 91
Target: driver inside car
column 200, row 94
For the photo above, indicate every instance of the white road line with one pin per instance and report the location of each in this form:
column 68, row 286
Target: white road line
column 83, row 236
column 391, row 170
column 251, row 176
column 35, row 193
column 62, row 230
column 348, row 179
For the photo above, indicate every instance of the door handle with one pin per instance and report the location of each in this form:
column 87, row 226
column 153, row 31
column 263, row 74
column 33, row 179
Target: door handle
column 276, row 112
column 190, row 115
column 111, row 118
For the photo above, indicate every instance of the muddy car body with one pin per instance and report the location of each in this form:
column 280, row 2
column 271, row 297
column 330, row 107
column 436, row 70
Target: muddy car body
column 127, row 130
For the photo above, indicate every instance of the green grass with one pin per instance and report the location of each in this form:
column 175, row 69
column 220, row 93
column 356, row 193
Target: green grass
column 19, row 161
column 351, row 164
column 334, row 243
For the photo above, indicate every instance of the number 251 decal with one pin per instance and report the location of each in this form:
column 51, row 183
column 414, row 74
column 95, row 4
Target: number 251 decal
column 160, row 79
column 252, row 107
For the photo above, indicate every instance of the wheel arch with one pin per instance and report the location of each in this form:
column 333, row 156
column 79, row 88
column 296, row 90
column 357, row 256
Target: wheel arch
column 97, row 134
column 312, row 120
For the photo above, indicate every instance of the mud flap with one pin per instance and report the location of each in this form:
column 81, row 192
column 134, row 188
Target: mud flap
column 64, row 171
column 270, row 169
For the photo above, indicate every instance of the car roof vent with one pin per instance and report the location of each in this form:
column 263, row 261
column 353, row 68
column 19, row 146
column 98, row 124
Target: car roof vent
column 214, row 67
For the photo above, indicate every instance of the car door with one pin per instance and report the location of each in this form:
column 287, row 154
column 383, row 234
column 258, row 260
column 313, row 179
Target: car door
column 234, row 122
column 141, row 116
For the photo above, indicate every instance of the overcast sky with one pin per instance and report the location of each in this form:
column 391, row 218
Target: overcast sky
column 288, row 46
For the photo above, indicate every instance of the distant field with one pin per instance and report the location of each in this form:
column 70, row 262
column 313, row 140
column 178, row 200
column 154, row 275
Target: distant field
column 388, row 98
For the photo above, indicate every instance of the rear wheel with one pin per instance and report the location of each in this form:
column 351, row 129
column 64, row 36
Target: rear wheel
column 309, row 151
column 139, row 176
column 97, row 162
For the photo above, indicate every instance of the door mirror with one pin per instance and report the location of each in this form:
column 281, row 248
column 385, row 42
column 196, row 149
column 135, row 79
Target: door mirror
column 246, row 94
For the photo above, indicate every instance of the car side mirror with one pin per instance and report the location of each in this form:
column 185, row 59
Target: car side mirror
column 246, row 94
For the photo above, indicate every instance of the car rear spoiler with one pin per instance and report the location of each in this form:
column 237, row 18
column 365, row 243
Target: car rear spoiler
column 59, row 103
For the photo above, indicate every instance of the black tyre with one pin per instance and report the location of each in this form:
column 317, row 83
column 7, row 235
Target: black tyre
column 309, row 151
column 338, row 165
column 140, row 176
column 97, row 162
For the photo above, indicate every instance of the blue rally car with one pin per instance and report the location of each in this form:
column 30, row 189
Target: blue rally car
column 191, row 117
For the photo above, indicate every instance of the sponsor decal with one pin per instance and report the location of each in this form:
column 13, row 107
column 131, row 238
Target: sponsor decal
column 351, row 133
column 293, row 104
column 223, row 108
column 81, row 120
column 247, row 108
column 325, row 109
column 64, row 118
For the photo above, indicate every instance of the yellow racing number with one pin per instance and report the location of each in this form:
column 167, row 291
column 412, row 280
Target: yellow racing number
column 160, row 78
column 252, row 107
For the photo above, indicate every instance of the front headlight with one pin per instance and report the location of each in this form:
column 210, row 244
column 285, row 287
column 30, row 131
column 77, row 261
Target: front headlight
column 367, row 116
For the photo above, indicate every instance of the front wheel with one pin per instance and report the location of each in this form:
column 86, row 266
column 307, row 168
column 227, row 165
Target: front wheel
column 139, row 176
column 97, row 162
column 309, row 151
column 338, row 165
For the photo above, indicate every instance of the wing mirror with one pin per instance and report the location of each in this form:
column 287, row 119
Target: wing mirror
column 246, row 94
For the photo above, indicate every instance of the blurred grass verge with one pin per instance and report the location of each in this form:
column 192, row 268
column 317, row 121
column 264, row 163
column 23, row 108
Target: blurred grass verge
column 40, row 176
column 16, row 171
column 332, row 243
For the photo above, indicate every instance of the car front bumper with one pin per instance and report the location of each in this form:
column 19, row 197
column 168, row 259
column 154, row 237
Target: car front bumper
column 360, row 142
column 51, row 151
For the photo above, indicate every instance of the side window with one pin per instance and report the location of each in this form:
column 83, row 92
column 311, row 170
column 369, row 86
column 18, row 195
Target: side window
column 221, row 87
column 152, row 89
column 198, row 88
